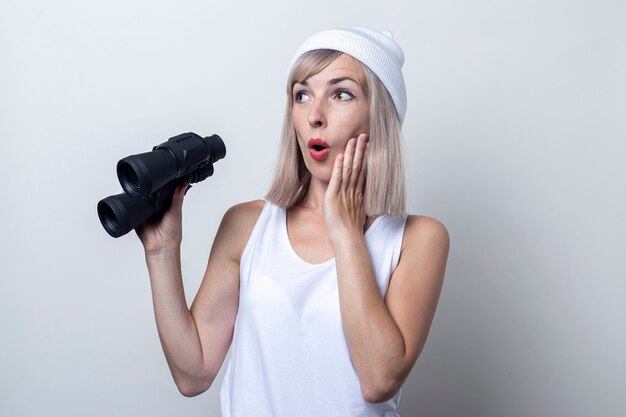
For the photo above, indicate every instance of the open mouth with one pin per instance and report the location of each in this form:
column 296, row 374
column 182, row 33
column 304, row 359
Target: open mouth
column 318, row 149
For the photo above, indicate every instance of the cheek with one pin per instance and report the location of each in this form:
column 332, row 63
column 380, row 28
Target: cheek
column 297, row 117
column 300, row 139
column 365, row 124
column 365, row 117
column 356, row 122
column 297, row 125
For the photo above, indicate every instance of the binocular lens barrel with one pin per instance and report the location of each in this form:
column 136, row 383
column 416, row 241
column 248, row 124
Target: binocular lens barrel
column 218, row 149
column 113, row 215
column 129, row 179
column 141, row 174
column 109, row 219
column 144, row 173
column 119, row 214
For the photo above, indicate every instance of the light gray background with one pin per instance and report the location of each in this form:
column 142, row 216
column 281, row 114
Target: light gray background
column 516, row 141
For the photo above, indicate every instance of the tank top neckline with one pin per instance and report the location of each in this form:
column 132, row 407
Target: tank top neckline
column 285, row 235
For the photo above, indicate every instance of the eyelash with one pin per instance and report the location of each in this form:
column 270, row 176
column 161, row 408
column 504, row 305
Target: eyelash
column 297, row 95
column 345, row 92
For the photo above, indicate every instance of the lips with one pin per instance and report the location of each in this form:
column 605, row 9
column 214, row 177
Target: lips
column 318, row 149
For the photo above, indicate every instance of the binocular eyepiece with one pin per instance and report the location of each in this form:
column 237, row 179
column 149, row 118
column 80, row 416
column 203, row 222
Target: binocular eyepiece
column 149, row 179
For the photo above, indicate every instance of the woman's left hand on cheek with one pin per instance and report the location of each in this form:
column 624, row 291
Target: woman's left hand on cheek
column 344, row 209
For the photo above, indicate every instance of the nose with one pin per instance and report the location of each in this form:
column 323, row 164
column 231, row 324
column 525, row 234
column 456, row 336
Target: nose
column 317, row 114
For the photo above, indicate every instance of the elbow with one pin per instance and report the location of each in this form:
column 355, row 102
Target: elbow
column 381, row 391
column 187, row 392
column 191, row 389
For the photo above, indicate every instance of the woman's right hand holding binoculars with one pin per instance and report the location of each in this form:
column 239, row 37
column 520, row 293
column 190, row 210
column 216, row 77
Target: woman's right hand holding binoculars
column 165, row 232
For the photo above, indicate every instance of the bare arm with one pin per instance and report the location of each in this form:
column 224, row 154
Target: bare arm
column 195, row 341
column 385, row 336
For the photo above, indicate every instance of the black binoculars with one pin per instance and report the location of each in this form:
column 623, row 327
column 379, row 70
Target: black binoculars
column 149, row 179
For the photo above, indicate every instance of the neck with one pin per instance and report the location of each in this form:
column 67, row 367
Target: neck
column 314, row 198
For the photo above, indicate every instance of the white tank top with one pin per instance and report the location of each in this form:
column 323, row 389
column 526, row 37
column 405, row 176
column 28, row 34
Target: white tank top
column 289, row 355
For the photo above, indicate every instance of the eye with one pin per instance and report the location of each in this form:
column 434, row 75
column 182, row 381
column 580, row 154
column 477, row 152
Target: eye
column 300, row 96
column 344, row 95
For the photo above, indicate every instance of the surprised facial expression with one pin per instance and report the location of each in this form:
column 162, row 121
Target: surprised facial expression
column 330, row 108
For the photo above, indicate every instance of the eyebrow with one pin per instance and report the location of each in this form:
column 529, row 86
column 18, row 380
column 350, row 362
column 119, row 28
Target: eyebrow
column 330, row 82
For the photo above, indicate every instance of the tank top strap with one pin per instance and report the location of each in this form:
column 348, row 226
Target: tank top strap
column 261, row 223
column 264, row 231
column 384, row 242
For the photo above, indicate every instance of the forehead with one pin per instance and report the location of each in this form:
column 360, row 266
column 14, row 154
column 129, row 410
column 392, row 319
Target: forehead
column 343, row 66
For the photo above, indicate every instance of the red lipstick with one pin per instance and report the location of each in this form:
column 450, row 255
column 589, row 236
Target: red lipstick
column 318, row 149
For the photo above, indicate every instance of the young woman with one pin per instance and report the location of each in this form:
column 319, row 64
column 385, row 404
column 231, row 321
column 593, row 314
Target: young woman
column 325, row 291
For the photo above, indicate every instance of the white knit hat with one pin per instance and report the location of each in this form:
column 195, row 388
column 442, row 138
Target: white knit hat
column 376, row 50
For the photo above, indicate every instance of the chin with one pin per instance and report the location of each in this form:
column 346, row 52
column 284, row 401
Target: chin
column 322, row 175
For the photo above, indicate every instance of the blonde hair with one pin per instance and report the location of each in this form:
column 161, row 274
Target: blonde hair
column 385, row 190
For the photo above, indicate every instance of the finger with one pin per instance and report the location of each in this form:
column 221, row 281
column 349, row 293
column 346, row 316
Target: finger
column 179, row 195
column 335, row 177
column 181, row 190
column 360, row 185
column 357, row 161
column 347, row 164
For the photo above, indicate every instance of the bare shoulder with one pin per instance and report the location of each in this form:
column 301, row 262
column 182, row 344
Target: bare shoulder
column 244, row 214
column 241, row 218
column 426, row 242
column 424, row 230
column 237, row 225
